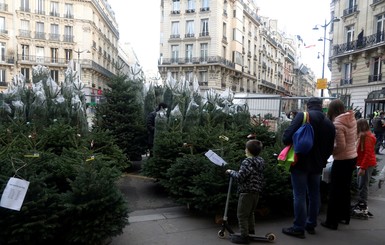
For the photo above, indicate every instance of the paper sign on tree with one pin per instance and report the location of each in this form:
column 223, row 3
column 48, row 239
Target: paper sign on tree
column 14, row 194
column 213, row 157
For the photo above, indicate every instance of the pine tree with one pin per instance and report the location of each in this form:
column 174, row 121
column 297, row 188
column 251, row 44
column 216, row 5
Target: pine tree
column 122, row 115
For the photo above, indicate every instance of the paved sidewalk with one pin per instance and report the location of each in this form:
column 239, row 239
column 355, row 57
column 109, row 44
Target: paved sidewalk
column 175, row 225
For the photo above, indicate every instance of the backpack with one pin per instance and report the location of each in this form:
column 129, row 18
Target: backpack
column 303, row 138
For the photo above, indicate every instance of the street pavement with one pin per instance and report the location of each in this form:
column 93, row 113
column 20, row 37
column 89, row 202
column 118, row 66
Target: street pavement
column 156, row 220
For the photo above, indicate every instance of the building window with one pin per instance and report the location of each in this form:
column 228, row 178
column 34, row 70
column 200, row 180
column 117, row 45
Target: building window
column 175, row 29
column 376, row 70
column 203, row 77
column 204, row 52
column 25, row 72
column 349, row 37
column 24, row 5
column 174, row 53
column 54, row 11
column 190, row 28
column 68, row 11
column 2, row 25
column 68, row 33
column 347, row 74
column 40, row 54
column 24, row 31
column 54, row 55
column 380, row 27
column 190, row 6
column 39, row 34
column 224, row 27
column 2, row 76
column 189, row 53
column 68, row 54
column 189, row 76
column 24, row 52
column 54, row 32
column 176, row 6
column 55, row 75
column 204, row 27
column 40, row 7
column 205, row 5
column 2, row 51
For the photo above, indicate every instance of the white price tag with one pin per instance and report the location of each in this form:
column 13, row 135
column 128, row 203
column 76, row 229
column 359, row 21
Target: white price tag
column 14, row 194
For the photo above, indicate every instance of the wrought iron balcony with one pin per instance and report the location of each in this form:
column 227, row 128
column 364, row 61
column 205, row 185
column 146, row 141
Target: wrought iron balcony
column 375, row 78
column 366, row 42
column 347, row 81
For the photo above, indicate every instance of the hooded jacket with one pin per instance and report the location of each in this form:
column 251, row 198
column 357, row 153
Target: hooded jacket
column 365, row 150
column 324, row 134
column 346, row 135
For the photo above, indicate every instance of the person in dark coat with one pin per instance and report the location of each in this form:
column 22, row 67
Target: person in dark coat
column 306, row 173
column 151, row 126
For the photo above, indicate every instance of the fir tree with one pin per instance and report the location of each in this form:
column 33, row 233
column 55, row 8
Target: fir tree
column 122, row 115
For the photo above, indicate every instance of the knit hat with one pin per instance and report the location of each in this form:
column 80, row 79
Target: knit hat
column 314, row 103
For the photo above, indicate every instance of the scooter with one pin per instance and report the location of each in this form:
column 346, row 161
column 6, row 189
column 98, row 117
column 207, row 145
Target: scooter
column 269, row 237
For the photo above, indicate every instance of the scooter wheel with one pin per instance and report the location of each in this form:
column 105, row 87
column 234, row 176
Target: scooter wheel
column 270, row 237
column 221, row 234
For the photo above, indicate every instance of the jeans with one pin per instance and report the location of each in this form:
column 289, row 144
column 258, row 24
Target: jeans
column 363, row 185
column 305, row 185
column 247, row 203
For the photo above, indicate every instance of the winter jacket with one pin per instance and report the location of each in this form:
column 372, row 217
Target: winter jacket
column 324, row 133
column 250, row 175
column 346, row 133
column 366, row 156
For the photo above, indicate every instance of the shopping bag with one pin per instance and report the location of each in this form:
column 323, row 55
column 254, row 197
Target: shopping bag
column 287, row 157
column 303, row 138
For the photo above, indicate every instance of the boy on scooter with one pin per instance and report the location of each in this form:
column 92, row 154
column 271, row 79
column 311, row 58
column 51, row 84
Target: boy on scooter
column 250, row 181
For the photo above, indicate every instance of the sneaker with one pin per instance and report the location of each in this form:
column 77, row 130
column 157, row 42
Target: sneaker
column 292, row 232
column 310, row 230
column 239, row 239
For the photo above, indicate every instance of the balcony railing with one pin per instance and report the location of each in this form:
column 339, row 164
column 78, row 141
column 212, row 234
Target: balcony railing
column 3, row 31
column 56, row 14
column 190, row 10
column 25, row 9
column 189, row 35
column 205, row 9
column 204, row 34
column 40, row 11
column 174, row 36
column 175, row 11
column 347, row 81
column 366, row 42
column 40, row 35
column 200, row 60
column 54, row 37
column 3, row 84
column 25, row 33
column 68, row 38
column 350, row 10
column 375, row 78
column 69, row 16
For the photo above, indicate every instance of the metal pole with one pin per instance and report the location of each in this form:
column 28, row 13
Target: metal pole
column 323, row 57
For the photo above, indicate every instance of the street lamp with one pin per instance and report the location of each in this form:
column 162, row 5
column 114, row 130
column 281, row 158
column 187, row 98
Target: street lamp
column 335, row 19
column 79, row 52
